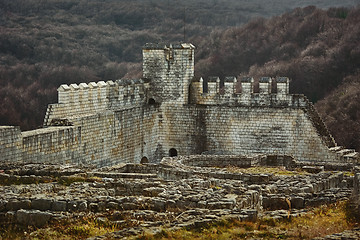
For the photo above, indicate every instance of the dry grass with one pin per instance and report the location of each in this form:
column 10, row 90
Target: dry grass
column 80, row 228
column 319, row 222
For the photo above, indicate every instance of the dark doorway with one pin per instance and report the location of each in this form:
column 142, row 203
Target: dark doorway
column 173, row 152
column 144, row 160
column 151, row 101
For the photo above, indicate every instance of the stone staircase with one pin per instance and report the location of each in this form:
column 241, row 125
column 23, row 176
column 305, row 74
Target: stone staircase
column 47, row 115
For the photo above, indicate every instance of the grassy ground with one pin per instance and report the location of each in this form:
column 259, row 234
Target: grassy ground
column 319, row 221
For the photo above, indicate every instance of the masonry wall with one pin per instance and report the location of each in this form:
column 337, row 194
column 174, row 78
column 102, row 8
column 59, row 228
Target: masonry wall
column 10, row 143
column 52, row 145
column 171, row 69
column 243, row 131
column 113, row 137
column 127, row 135
column 79, row 100
column 101, row 139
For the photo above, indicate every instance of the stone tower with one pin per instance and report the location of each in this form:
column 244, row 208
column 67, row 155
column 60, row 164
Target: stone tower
column 170, row 70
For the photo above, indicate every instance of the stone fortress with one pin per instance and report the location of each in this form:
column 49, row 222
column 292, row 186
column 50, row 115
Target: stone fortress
column 169, row 113
column 195, row 138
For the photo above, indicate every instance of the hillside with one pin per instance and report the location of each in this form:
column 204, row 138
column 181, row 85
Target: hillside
column 47, row 43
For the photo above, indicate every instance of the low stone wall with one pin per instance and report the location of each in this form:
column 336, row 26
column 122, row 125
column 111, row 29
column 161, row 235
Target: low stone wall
column 220, row 161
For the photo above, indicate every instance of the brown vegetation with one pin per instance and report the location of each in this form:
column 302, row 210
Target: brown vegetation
column 317, row 222
column 341, row 112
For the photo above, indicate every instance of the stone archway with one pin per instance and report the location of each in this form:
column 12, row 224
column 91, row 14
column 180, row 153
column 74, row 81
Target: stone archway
column 173, row 152
column 144, row 160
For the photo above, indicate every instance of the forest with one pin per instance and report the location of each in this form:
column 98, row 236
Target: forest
column 46, row 43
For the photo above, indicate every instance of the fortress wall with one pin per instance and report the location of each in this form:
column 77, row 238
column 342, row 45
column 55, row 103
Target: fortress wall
column 136, row 134
column 151, row 133
column 95, row 137
column 129, row 93
column 52, row 145
column 127, row 120
column 10, row 143
column 181, row 129
column 231, row 90
column 102, row 139
column 87, row 99
column 242, row 131
column 127, row 135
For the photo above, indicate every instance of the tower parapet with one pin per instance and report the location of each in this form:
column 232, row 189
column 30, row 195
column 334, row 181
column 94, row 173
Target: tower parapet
column 170, row 70
column 265, row 85
column 233, row 91
column 85, row 99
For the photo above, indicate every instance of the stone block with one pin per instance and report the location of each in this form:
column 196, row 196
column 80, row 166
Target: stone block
column 33, row 217
column 153, row 191
column 59, row 206
column 14, row 204
column 297, row 202
column 72, row 206
column 41, row 204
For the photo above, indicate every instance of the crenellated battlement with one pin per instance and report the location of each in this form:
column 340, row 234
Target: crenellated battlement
column 232, row 90
column 93, row 97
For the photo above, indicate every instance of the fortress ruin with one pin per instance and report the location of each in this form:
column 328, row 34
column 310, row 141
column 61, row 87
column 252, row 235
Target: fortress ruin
column 169, row 113
column 196, row 140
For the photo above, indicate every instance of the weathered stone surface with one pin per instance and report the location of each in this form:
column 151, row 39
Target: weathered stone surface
column 153, row 191
column 33, row 217
column 353, row 234
column 59, row 206
column 41, row 204
column 297, row 202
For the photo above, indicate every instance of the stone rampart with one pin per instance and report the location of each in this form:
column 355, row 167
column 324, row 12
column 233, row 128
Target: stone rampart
column 55, row 145
column 87, row 99
column 168, row 114
column 244, row 131
column 101, row 139
column 231, row 90
column 170, row 69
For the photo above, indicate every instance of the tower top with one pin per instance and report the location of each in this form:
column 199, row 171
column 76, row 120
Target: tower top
column 169, row 69
column 159, row 46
